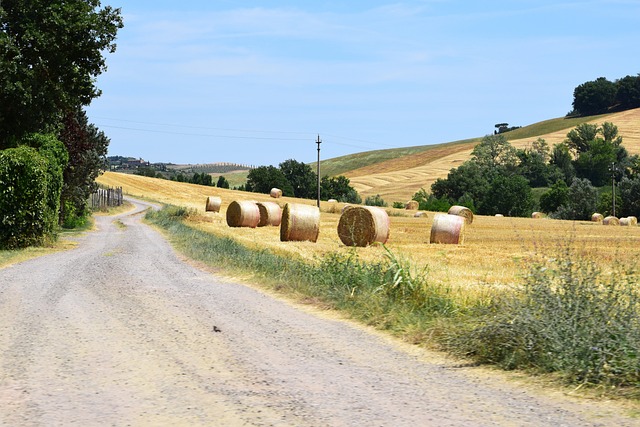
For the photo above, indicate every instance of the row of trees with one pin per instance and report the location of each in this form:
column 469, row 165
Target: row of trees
column 297, row 179
column 602, row 96
column 499, row 178
column 51, row 52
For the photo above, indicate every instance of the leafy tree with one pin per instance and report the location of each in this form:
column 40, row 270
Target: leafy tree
column 222, row 182
column 534, row 164
column 562, row 162
column 628, row 92
column 429, row 202
column 262, row 179
column 87, row 148
column 469, row 178
column 51, row 52
column 629, row 193
column 557, row 196
column 494, row 151
column 508, row 195
column 301, row 177
column 578, row 139
column 594, row 97
column 339, row 188
column 582, row 203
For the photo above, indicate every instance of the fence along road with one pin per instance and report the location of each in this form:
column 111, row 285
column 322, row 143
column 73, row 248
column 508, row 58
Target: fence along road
column 120, row 331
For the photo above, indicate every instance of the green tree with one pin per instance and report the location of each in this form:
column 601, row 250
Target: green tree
column 578, row 139
column 469, row 178
column 557, row 196
column 301, row 177
column 594, row 97
column 508, row 195
column 628, row 92
column 495, row 151
column 262, row 179
column 51, row 52
column 222, row 182
column 339, row 188
column 562, row 162
column 629, row 193
column 582, row 203
column 376, row 200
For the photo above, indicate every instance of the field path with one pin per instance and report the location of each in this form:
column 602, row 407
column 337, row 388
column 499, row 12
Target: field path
column 120, row 331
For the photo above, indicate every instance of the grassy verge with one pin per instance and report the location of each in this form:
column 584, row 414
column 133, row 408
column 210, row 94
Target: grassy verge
column 567, row 317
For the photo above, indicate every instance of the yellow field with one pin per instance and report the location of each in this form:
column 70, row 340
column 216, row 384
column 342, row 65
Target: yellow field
column 399, row 179
column 488, row 258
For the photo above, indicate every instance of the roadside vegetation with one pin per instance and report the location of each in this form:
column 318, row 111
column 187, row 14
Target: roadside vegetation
column 565, row 316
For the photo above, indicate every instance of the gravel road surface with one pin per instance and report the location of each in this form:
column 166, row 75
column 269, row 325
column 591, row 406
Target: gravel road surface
column 120, row 331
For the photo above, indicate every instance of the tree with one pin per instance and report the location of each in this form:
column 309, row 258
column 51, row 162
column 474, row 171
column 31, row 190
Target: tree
column 562, row 161
column 469, row 178
column 578, row 139
column 222, row 182
column 87, row 149
column 582, row 203
column 594, row 97
column 628, row 92
column 557, row 196
column 51, row 52
column 629, row 193
column 534, row 164
column 301, row 177
column 495, row 151
column 262, row 179
column 508, row 195
column 339, row 188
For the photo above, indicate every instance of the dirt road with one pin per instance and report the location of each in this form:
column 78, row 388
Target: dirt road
column 120, row 332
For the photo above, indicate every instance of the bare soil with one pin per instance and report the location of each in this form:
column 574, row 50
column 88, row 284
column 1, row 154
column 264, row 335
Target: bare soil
column 120, row 331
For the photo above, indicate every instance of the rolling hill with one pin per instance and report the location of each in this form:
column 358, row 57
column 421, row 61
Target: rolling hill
column 397, row 174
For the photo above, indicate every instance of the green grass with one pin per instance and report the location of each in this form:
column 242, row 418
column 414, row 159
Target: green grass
column 566, row 317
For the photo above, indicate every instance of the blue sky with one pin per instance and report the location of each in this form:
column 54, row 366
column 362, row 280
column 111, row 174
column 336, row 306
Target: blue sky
column 255, row 82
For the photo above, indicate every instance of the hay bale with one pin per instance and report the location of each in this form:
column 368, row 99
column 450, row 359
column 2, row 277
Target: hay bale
column 276, row 193
column 633, row 220
column 332, row 201
column 463, row 212
column 421, row 214
column 537, row 215
column 626, row 222
column 270, row 214
column 213, row 204
column 345, row 208
column 299, row 223
column 243, row 213
column 499, row 216
column 597, row 217
column 363, row 225
column 447, row 229
column 412, row 205
column 611, row 220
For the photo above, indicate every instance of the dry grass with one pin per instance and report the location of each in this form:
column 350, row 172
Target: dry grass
column 490, row 256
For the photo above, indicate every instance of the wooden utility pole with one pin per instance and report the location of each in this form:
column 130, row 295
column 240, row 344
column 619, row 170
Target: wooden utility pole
column 318, row 142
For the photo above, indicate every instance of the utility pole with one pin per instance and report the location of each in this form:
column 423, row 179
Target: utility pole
column 318, row 142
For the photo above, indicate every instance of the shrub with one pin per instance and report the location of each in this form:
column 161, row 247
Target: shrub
column 375, row 201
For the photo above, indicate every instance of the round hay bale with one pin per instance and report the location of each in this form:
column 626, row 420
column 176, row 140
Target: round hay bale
column 611, row 220
column 633, row 220
column 213, row 204
column 345, row 208
column 276, row 193
column 421, row 214
column 537, row 215
column 597, row 217
column 463, row 212
column 243, row 214
column 332, row 201
column 299, row 223
column 412, row 205
column 447, row 229
column 626, row 222
column 270, row 214
column 499, row 216
column 363, row 225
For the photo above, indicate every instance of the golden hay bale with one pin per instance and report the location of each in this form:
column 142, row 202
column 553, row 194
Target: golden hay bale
column 332, row 201
column 270, row 214
column 537, row 215
column 625, row 222
column 243, row 213
column 421, row 214
column 597, row 217
column 213, row 204
column 611, row 220
column 633, row 220
column 411, row 205
column 300, row 222
column 463, row 212
column 276, row 193
column 363, row 225
column 447, row 229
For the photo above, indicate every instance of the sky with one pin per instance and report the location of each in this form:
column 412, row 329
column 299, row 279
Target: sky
column 257, row 82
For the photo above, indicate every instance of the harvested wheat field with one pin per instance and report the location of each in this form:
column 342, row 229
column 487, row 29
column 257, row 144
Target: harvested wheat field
column 490, row 256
